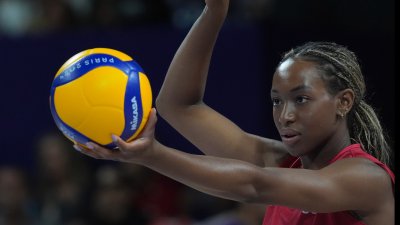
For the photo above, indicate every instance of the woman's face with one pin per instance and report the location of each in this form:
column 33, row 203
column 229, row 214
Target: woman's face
column 303, row 110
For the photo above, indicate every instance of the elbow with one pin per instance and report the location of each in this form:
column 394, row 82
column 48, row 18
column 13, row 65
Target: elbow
column 251, row 196
column 255, row 189
column 170, row 108
column 234, row 194
column 160, row 101
column 247, row 191
column 162, row 106
column 244, row 196
column 165, row 108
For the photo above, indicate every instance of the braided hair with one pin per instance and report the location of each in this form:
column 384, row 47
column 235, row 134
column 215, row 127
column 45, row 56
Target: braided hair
column 340, row 69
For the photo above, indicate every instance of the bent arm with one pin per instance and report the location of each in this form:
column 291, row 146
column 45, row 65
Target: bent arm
column 180, row 100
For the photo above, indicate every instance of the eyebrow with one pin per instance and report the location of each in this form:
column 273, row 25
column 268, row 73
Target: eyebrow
column 298, row 88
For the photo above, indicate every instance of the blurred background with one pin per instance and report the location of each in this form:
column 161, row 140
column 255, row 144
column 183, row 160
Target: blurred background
column 43, row 180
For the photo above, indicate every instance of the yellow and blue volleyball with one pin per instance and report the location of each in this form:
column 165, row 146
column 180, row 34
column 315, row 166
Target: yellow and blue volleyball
column 99, row 92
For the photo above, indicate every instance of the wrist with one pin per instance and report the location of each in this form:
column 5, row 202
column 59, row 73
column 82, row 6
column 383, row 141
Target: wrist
column 151, row 155
column 219, row 13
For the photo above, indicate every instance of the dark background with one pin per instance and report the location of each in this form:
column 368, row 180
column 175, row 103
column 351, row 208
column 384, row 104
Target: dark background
column 243, row 63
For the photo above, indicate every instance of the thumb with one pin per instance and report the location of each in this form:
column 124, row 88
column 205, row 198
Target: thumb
column 119, row 142
column 149, row 128
column 148, row 132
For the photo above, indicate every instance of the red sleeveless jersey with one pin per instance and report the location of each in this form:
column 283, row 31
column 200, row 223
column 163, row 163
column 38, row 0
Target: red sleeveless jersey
column 281, row 215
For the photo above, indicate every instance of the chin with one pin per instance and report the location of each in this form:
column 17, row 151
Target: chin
column 296, row 151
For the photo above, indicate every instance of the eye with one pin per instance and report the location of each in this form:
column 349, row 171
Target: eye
column 302, row 99
column 276, row 101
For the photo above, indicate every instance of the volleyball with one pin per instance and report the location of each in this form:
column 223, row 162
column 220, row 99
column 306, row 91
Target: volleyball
column 99, row 92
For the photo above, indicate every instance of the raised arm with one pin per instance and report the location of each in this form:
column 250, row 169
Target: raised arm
column 180, row 100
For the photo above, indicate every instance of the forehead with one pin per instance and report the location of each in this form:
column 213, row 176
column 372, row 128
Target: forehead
column 296, row 73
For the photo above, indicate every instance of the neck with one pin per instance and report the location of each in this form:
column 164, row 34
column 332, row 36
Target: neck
column 321, row 156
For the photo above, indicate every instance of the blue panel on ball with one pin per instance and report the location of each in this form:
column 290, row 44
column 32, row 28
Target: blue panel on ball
column 134, row 66
column 87, row 64
column 132, row 106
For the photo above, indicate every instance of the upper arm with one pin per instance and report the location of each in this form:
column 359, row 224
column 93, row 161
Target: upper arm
column 216, row 135
column 349, row 184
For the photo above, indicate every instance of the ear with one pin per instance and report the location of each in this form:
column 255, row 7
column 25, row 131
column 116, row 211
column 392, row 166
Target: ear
column 345, row 100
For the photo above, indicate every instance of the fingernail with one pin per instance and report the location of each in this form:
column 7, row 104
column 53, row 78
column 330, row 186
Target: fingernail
column 90, row 146
column 76, row 147
column 114, row 138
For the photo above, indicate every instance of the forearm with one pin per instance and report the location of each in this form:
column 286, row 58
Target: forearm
column 225, row 178
column 186, row 77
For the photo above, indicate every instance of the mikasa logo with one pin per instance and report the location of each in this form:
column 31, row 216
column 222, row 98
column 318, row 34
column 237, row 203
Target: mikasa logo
column 134, row 113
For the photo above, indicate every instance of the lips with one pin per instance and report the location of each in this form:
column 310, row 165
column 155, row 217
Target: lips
column 290, row 136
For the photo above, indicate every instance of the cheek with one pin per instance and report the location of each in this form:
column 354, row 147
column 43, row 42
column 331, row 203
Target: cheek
column 275, row 116
column 321, row 118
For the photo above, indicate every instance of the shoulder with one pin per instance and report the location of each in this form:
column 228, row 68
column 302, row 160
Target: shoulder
column 357, row 168
column 363, row 179
column 369, row 186
column 354, row 161
column 361, row 168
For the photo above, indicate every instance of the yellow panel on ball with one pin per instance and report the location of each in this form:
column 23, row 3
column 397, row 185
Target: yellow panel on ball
column 105, row 86
column 99, row 126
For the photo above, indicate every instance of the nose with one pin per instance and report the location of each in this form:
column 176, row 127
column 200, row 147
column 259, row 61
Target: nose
column 287, row 115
